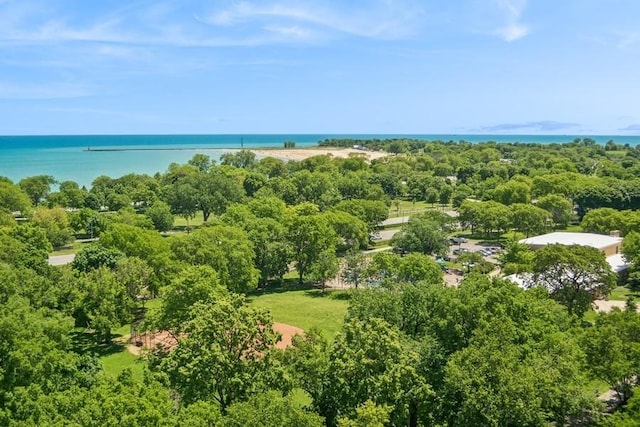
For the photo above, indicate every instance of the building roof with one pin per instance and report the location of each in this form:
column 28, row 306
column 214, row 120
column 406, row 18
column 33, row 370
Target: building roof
column 598, row 241
column 618, row 263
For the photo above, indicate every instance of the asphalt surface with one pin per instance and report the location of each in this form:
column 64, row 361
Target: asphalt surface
column 61, row 259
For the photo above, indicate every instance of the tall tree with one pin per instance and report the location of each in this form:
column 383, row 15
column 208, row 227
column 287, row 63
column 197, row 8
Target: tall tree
column 310, row 237
column 573, row 275
column 422, row 234
column 225, row 355
column 37, row 187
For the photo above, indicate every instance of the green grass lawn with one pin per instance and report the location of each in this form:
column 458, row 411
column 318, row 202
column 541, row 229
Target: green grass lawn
column 621, row 293
column 114, row 356
column 306, row 308
column 71, row 248
column 181, row 223
column 301, row 308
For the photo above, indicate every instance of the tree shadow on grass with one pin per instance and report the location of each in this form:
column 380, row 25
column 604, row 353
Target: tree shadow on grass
column 85, row 343
column 337, row 294
column 287, row 285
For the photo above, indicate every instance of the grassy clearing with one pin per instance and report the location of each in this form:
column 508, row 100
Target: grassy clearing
column 595, row 387
column 181, row 223
column 306, row 308
column 114, row 356
column 71, row 248
column 114, row 364
column 621, row 293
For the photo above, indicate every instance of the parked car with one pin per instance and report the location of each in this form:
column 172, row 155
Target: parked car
column 457, row 240
column 460, row 251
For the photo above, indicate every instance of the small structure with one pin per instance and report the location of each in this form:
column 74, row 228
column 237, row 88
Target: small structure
column 609, row 245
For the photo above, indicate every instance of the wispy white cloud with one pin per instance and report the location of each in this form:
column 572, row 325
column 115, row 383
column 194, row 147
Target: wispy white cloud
column 43, row 91
column 628, row 39
column 382, row 19
column 540, row 126
column 171, row 24
column 632, row 128
column 513, row 29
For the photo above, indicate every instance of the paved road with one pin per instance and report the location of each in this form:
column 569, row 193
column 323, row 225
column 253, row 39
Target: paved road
column 387, row 234
column 61, row 259
column 395, row 221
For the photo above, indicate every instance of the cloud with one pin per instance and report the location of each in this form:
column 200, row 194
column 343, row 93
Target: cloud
column 632, row 128
column 539, row 126
column 44, row 91
column 513, row 29
column 382, row 19
column 245, row 23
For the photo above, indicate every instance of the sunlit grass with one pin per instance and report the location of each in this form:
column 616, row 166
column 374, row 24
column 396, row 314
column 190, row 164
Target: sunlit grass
column 306, row 308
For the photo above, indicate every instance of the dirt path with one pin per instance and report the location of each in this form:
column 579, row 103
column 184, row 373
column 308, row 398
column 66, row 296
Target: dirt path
column 287, row 332
column 166, row 340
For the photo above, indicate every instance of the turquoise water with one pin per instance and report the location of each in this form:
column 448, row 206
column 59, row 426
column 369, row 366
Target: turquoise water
column 67, row 158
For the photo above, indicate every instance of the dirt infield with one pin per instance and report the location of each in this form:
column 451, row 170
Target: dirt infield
column 164, row 339
column 287, row 332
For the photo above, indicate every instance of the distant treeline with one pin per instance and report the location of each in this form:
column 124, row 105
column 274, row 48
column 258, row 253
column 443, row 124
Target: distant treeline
column 411, row 145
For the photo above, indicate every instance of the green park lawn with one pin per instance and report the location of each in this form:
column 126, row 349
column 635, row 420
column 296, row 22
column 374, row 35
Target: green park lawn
column 621, row 293
column 181, row 223
column 306, row 308
column 301, row 308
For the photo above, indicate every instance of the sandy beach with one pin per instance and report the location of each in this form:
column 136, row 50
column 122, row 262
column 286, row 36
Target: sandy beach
column 304, row 153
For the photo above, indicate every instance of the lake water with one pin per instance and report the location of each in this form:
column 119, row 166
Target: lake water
column 67, row 158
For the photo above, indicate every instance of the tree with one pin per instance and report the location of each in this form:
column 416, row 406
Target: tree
column 573, row 275
column 500, row 380
column 69, row 195
column 56, row 225
column 160, row 215
column 244, row 159
column 270, row 409
column 195, row 284
column 631, row 251
column 372, row 212
column 512, row 192
column 147, row 245
column 225, row 355
column 37, row 187
column 88, row 221
column 368, row 415
column 33, row 348
column 558, row 206
column 529, row 219
column 422, row 234
column 326, row 267
column 226, row 249
column 202, row 162
column 310, row 237
column 105, row 304
column 612, row 347
column 135, row 274
column 354, row 269
column 603, row 221
column 215, row 191
column 351, row 231
column 369, row 362
column 13, row 198
column 94, row 256
column 516, row 258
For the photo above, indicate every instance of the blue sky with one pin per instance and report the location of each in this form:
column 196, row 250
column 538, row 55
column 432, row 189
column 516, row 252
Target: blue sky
column 318, row 66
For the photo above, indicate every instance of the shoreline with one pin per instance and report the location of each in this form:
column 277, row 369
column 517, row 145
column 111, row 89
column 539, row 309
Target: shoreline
column 302, row 153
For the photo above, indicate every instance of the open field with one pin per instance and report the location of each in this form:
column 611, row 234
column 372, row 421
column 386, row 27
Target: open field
column 621, row 293
column 306, row 309
column 301, row 308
